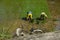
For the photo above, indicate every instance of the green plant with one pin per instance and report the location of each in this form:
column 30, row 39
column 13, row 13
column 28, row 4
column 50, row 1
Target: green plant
column 5, row 35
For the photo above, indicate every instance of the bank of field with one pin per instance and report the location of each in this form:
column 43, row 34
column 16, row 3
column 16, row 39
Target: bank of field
column 11, row 10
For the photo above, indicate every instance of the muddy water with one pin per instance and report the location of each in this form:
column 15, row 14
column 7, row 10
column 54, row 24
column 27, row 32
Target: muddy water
column 57, row 25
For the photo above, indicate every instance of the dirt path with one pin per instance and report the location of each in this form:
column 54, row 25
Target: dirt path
column 44, row 36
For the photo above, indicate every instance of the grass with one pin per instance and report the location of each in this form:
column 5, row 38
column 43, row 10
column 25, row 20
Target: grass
column 18, row 8
column 11, row 10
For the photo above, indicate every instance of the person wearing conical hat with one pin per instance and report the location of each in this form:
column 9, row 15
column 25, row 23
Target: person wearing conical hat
column 43, row 16
column 29, row 15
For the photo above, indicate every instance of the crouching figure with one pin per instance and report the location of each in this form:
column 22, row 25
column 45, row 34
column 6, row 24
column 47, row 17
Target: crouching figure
column 43, row 16
column 29, row 15
column 18, row 30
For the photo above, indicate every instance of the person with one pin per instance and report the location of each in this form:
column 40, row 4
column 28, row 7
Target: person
column 29, row 15
column 43, row 16
column 18, row 30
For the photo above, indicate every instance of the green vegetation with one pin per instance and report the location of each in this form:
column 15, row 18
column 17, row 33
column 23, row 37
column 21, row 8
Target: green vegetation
column 14, row 9
column 4, row 34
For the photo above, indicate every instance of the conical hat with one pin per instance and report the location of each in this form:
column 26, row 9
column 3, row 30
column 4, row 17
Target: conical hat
column 43, row 13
